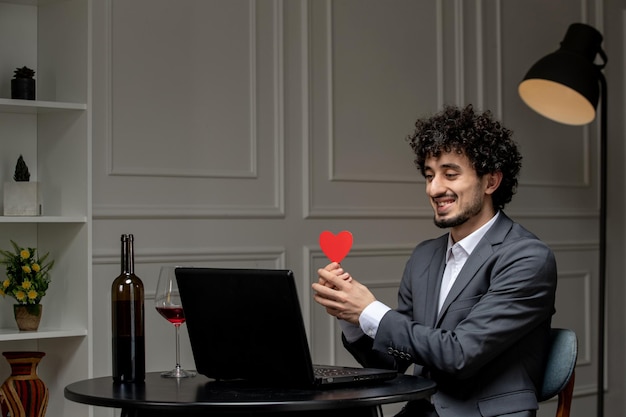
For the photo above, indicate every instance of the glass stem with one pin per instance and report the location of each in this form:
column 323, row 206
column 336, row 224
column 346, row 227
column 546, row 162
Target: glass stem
column 177, row 346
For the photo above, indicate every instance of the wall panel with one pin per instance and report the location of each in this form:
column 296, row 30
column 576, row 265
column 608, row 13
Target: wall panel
column 357, row 149
column 194, row 110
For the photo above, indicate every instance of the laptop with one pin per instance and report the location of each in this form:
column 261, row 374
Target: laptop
column 246, row 324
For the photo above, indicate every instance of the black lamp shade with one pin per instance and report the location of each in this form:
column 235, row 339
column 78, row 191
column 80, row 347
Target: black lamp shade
column 564, row 85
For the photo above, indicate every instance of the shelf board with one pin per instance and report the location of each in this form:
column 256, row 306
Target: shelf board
column 22, row 2
column 12, row 334
column 37, row 106
column 43, row 219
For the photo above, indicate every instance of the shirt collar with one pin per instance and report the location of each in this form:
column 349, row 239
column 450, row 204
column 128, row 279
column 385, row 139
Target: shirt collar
column 469, row 243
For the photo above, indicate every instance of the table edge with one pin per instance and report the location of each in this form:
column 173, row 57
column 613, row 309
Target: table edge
column 252, row 406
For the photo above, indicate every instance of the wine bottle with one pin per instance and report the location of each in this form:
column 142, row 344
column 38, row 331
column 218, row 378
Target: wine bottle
column 128, row 320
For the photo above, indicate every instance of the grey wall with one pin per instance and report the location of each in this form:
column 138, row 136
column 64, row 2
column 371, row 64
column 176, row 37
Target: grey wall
column 231, row 133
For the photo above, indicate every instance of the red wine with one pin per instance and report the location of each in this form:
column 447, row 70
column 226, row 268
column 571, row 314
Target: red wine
column 127, row 320
column 174, row 315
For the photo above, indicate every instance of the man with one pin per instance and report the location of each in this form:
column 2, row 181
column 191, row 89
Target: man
column 474, row 305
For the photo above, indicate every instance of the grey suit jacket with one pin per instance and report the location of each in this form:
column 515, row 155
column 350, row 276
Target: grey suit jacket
column 487, row 347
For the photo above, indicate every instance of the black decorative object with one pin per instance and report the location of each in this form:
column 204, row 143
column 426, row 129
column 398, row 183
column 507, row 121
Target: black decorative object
column 21, row 170
column 23, row 84
column 21, row 196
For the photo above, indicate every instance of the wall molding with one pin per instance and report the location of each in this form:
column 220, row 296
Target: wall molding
column 209, row 172
column 185, row 255
column 276, row 209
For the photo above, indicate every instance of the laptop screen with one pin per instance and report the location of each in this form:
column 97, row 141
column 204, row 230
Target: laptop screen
column 245, row 324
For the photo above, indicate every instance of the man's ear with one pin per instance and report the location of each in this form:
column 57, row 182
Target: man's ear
column 493, row 182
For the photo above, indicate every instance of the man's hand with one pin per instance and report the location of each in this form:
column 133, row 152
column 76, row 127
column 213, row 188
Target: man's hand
column 341, row 295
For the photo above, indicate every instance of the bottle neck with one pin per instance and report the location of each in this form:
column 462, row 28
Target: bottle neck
column 130, row 264
column 124, row 252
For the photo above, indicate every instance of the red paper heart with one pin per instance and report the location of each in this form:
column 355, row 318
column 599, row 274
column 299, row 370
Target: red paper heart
column 336, row 247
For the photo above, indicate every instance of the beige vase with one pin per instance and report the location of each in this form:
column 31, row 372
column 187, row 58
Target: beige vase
column 27, row 316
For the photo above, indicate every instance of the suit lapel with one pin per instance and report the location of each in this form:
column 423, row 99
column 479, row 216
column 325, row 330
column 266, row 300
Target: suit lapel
column 434, row 281
column 479, row 256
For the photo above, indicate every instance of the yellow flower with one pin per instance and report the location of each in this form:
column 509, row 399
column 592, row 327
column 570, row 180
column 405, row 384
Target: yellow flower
column 27, row 274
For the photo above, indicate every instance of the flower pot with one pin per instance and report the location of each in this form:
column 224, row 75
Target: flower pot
column 21, row 198
column 24, row 394
column 23, row 88
column 27, row 316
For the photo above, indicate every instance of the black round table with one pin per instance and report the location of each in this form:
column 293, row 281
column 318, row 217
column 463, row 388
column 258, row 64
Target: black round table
column 198, row 396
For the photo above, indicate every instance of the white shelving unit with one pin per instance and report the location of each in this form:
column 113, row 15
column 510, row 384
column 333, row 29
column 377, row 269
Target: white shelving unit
column 34, row 107
column 11, row 335
column 53, row 133
column 44, row 219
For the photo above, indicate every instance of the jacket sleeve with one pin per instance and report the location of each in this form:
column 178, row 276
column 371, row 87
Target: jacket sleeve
column 362, row 351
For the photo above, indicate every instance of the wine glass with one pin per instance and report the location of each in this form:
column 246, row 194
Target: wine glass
column 168, row 304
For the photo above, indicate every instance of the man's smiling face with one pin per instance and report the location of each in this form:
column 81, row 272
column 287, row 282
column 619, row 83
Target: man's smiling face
column 460, row 199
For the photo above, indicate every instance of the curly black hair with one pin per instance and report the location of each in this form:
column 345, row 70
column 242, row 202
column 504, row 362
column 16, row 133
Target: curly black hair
column 486, row 143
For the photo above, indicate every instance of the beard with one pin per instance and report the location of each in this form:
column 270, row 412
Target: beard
column 467, row 213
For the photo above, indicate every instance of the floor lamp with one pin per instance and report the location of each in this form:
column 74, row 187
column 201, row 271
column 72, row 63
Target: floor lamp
column 565, row 86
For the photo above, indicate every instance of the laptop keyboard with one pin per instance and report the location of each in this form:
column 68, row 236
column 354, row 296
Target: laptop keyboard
column 322, row 372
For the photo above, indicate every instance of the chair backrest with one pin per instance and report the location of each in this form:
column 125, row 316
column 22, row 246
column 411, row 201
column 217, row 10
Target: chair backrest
column 559, row 374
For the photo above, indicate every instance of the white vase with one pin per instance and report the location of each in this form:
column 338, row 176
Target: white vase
column 21, row 198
